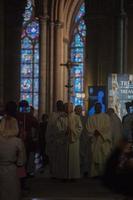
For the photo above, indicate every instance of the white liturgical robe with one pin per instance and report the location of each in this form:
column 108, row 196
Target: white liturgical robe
column 70, row 129
column 102, row 144
column 75, row 127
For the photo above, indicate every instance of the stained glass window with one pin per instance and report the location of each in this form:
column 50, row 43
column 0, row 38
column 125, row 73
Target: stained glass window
column 29, row 73
column 77, row 52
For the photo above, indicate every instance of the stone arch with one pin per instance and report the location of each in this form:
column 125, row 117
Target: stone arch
column 60, row 15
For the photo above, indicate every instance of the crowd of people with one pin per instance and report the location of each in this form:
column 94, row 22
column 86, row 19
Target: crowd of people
column 73, row 145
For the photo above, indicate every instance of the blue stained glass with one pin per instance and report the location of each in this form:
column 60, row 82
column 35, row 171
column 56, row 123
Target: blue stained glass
column 77, row 55
column 36, row 84
column 32, row 30
column 36, row 46
column 78, row 66
column 27, row 96
column 26, row 85
column 77, row 101
column 26, row 70
column 29, row 85
column 80, row 13
column 78, row 84
column 36, row 56
column 35, row 100
column 27, row 15
column 77, row 50
column 82, row 26
column 29, row 4
column 36, row 70
column 28, row 11
column 78, row 72
column 78, row 41
column 26, row 43
column 26, row 56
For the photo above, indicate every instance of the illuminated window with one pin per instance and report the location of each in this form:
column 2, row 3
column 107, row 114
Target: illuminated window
column 77, row 56
column 29, row 73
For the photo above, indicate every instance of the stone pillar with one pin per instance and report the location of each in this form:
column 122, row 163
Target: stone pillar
column 51, row 62
column 57, row 61
column 65, row 74
column 43, row 64
column 13, row 18
column 1, row 54
column 121, row 39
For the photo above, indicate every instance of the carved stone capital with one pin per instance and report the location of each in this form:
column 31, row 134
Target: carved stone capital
column 44, row 18
column 59, row 24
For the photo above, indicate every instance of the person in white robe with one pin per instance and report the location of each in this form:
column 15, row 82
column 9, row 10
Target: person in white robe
column 85, row 150
column 98, row 126
column 50, row 137
column 61, row 138
column 12, row 156
column 73, row 131
column 116, row 127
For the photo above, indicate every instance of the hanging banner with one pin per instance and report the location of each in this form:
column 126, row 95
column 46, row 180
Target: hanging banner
column 120, row 91
column 96, row 94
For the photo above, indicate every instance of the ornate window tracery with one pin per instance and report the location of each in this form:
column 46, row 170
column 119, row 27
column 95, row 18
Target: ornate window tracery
column 29, row 70
column 77, row 52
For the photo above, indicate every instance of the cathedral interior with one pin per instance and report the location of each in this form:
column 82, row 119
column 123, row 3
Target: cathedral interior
column 45, row 45
column 37, row 38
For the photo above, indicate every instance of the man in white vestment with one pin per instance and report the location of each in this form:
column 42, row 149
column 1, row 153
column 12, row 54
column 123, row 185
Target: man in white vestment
column 98, row 126
column 61, row 139
column 116, row 127
column 74, row 128
column 51, row 134
column 85, row 151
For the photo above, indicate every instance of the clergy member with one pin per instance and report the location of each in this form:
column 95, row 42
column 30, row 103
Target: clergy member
column 98, row 126
column 51, row 133
column 85, row 150
column 74, row 129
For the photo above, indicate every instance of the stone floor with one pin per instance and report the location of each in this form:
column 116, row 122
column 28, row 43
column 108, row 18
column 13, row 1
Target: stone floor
column 42, row 187
column 84, row 189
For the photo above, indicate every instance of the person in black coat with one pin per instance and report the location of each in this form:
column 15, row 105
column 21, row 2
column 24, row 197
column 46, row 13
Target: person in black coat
column 118, row 174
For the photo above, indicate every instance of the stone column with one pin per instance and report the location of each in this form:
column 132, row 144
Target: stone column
column 43, row 64
column 1, row 54
column 51, row 62
column 13, row 18
column 121, row 40
column 57, row 61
